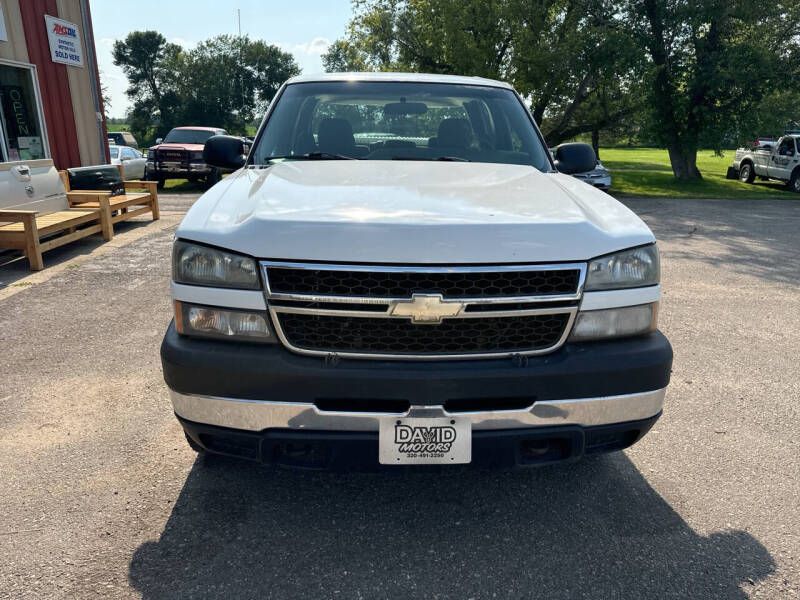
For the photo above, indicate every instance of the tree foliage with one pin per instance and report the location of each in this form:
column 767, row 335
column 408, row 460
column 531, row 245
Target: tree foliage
column 712, row 62
column 686, row 73
column 570, row 58
column 225, row 81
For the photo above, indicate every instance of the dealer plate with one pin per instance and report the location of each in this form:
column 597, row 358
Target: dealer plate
column 417, row 441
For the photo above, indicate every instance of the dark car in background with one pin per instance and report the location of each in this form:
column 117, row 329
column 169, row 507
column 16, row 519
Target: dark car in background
column 180, row 156
column 122, row 138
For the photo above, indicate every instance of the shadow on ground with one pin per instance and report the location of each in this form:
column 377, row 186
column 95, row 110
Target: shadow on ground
column 594, row 529
column 14, row 265
column 757, row 238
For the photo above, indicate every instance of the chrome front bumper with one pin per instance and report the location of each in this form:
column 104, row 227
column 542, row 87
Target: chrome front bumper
column 257, row 415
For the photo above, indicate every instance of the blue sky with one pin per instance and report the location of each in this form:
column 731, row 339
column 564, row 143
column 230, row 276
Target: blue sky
column 303, row 27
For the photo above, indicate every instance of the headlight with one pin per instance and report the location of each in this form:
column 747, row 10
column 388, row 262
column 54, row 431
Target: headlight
column 207, row 321
column 151, row 154
column 197, row 155
column 614, row 322
column 200, row 265
column 638, row 267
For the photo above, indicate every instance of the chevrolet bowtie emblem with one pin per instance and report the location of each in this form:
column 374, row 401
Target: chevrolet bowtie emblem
column 426, row 308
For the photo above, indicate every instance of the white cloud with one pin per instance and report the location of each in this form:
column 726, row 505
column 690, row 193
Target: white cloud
column 315, row 47
column 308, row 54
column 185, row 44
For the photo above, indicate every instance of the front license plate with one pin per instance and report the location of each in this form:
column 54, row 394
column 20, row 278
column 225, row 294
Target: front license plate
column 436, row 441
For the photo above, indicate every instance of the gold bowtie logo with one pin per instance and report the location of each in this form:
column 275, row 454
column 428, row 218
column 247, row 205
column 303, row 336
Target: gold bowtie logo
column 426, row 308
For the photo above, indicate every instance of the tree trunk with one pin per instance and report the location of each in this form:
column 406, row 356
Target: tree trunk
column 596, row 142
column 684, row 163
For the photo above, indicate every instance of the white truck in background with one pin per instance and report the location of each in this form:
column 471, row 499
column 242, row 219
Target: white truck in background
column 780, row 161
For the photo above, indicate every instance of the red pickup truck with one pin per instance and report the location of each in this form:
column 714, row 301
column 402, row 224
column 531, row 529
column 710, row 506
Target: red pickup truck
column 180, row 156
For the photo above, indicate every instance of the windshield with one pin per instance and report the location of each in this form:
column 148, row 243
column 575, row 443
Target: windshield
column 400, row 121
column 188, row 136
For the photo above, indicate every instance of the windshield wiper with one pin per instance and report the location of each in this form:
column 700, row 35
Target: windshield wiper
column 441, row 158
column 314, row 156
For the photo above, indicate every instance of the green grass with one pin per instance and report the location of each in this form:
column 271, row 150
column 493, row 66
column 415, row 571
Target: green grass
column 122, row 127
column 645, row 172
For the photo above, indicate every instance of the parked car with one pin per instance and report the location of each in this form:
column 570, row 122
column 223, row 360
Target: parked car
column 449, row 294
column 599, row 177
column 180, row 156
column 132, row 161
column 122, row 138
column 780, row 162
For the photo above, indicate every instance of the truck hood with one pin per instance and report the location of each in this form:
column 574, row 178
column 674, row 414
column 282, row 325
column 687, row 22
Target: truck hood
column 411, row 212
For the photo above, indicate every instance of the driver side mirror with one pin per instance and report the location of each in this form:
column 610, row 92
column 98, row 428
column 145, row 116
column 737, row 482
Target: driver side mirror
column 575, row 158
column 225, row 152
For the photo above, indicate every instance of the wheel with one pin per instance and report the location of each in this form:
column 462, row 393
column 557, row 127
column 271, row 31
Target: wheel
column 192, row 178
column 213, row 177
column 794, row 182
column 161, row 181
column 194, row 445
column 746, row 173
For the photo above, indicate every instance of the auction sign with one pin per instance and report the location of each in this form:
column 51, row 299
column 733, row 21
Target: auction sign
column 65, row 41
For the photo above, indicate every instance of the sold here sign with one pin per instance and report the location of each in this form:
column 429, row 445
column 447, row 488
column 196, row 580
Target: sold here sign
column 65, row 41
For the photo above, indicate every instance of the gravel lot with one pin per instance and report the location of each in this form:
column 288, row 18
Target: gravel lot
column 102, row 498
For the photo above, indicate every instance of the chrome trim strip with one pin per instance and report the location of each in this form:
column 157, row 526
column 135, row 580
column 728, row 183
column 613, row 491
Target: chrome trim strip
column 389, row 299
column 265, row 264
column 385, row 315
column 257, row 415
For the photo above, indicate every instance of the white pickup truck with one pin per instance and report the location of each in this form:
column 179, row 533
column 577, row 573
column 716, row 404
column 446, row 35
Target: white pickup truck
column 779, row 161
column 400, row 273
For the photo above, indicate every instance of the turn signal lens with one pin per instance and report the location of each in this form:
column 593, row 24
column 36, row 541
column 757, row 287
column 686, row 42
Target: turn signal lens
column 231, row 324
column 614, row 322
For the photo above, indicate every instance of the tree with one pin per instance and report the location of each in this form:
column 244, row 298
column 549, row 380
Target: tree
column 570, row 58
column 712, row 60
column 151, row 65
column 227, row 80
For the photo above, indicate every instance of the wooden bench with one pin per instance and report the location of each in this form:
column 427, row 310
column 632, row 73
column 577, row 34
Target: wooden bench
column 107, row 182
column 63, row 221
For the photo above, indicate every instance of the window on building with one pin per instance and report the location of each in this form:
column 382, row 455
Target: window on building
column 21, row 136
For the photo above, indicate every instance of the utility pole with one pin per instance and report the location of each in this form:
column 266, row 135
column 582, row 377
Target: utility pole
column 239, row 15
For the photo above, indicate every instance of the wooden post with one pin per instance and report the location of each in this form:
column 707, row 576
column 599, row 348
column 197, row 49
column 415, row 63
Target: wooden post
column 64, row 179
column 105, row 216
column 32, row 249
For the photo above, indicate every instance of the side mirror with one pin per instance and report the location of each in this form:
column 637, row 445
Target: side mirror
column 159, row 141
column 225, row 152
column 124, row 158
column 575, row 158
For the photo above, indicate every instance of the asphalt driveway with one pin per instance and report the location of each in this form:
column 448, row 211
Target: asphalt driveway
column 102, row 498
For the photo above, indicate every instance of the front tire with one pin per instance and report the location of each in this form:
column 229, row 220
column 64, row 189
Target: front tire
column 746, row 173
column 794, row 182
column 161, row 181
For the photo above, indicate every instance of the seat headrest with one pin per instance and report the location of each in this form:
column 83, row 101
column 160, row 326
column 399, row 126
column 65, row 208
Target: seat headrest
column 454, row 133
column 335, row 135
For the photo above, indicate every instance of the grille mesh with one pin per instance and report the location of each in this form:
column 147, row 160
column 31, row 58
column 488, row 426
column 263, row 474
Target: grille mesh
column 400, row 336
column 374, row 284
